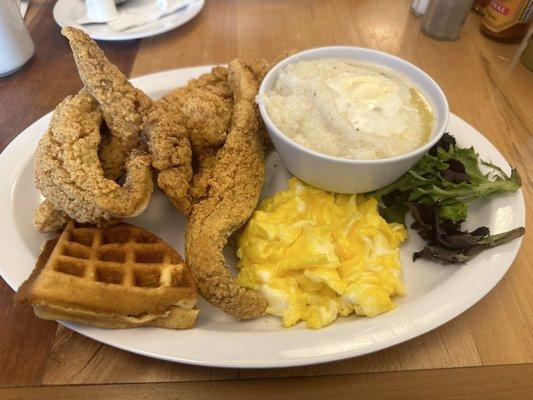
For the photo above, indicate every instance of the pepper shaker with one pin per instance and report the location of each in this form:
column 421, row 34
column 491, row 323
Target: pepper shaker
column 444, row 19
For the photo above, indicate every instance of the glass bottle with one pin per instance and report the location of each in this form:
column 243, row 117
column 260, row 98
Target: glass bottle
column 507, row 20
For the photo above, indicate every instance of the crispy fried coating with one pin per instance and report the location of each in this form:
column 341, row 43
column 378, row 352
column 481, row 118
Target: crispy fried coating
column 122, row 104
column 47, row 218
column 206, row 116
column 112, row 154
column 260, row 68
column 204, row 107
column 68, row 170
column 235, row 185
column 214, row 82
column 171, row 154
column 130, row 113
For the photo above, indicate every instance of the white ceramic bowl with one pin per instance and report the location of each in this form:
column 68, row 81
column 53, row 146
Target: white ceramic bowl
column 345, row 175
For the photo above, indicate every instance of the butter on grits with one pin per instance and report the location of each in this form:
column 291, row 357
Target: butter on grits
column 350, row 110
column 315, row 256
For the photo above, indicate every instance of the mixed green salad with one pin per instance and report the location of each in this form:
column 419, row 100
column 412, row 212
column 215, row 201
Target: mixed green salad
column 437, row 192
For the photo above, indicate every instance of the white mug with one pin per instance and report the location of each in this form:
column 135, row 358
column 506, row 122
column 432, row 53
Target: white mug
column 16, row 46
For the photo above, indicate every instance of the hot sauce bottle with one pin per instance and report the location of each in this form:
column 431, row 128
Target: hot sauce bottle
column 507, row 20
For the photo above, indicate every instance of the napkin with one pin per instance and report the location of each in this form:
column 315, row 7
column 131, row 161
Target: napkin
column 145, row 13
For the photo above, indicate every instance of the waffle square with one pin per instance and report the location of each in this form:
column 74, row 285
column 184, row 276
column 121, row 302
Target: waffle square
column 120, row 273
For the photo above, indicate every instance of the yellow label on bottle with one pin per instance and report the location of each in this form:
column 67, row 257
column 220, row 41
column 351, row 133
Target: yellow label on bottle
column 501, row 14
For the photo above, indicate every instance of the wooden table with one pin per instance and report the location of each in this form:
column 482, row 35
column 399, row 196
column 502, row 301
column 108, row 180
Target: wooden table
column 486, row 353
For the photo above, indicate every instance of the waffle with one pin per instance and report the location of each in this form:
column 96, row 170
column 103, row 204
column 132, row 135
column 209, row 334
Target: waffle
column 116, row 277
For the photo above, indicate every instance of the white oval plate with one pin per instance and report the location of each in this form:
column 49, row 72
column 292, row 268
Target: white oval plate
column 67, row 12
column 435, row 293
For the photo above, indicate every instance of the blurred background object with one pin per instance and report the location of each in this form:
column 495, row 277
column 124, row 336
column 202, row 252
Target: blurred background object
column 444, row 19
column 24, row 7
column 16, row 45
column 150, row 13
column 99, row 11
column 418, row 7
column 507, row 20
column 479, row 6
column 136, row 19
column 527, row 54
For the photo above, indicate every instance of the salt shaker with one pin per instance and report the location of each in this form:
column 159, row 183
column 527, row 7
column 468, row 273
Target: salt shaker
column 444, row 19
column 16, row 46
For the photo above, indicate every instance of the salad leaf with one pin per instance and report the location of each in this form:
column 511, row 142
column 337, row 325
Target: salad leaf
column 448, row 176
column 448, row 256
column 437, row 192
column 454, row 212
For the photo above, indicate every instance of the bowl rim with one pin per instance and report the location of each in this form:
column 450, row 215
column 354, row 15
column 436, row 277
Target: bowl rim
column 273, row 129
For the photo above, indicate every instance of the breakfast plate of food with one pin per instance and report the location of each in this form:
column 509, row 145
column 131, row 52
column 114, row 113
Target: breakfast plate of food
column 189, row 215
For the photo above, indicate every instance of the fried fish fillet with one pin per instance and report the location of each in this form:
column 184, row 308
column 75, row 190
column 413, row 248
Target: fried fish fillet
column 235, row 184
column 129, row 116
column 69, row 174
column 171, row 154
column 47, row 218
column 123, row 105
column 204, row 108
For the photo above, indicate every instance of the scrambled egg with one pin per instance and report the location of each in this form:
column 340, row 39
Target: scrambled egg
column 315, row 255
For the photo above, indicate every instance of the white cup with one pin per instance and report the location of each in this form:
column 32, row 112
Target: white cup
column 16, row 46
column 101, row 10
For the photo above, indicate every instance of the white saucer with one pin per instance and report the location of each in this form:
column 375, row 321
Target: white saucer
column 67, row 12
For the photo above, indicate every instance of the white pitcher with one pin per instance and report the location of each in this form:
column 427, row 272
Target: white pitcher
column 16, row 46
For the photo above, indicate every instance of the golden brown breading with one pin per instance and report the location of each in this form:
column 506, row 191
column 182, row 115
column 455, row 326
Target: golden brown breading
column 47, row 218
column 128, row 112
column 171, row 154
column 214, row 82
column 205, row 115
column 112, row 154
column 68, row 170
column 204, row 106
column 204, row 109
column 235, row 185
column 260, row 68
column 205, row 162
column 122, row 104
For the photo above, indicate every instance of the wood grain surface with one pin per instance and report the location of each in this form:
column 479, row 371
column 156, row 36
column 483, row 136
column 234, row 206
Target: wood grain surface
column 487, row 352
column 477, row 383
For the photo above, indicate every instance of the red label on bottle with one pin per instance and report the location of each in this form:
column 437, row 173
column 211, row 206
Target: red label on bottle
column 499, row 8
